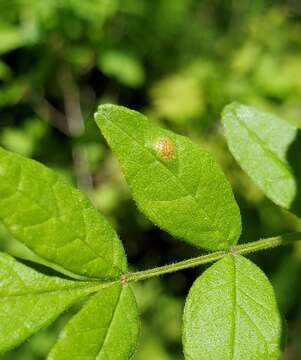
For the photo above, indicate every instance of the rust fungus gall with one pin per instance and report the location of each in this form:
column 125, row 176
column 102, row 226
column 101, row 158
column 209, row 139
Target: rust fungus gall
column 166, row 149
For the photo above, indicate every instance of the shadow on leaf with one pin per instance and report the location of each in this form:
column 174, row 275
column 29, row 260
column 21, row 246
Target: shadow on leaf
column 294, row 161
column 45, row 270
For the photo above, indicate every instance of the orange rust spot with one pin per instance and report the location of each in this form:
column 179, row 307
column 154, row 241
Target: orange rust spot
column 166, row 149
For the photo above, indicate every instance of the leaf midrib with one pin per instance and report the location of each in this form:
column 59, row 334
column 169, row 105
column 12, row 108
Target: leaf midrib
column 265, row 148
column 234, row 304
column 90, row 287
column 111, row 322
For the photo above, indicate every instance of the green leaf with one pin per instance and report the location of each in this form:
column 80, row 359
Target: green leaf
column 55, row 220
column 174, row 182
column 30, row 301
column 5, row 70
column 231, row 313
column 107, row 327
column 10, row 39
column 120, row 65
column 178, row 98
column 269, row 150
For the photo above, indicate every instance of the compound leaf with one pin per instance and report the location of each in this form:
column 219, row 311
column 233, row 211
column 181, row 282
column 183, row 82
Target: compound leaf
column 55, row 220
column 174, row 182
column 30, row 301
column 231, row 313
column 105, row 328
column 269, row 151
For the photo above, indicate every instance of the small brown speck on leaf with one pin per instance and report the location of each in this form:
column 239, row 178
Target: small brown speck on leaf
column 123, row 279
column 166, row 149
column 233, row 250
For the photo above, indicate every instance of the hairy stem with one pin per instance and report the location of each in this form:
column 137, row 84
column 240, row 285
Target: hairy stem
column 204, row 259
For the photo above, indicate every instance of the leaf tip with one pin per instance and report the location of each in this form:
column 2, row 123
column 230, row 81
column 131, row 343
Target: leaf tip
column 230, row 108
column 103, row 110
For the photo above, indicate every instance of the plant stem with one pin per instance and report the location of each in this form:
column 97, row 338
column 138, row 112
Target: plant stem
column 204, row 259
column 186, row 264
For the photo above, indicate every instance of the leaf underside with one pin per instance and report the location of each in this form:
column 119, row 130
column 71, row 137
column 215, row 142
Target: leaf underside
column 231, row 314
column 269, row 151
column 175, row 183
column 56, row 221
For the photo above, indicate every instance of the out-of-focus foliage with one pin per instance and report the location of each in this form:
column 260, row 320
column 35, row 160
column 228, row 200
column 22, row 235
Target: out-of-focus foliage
column 179, row 61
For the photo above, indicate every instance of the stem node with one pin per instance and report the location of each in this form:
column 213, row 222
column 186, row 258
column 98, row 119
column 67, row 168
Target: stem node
column 123, row 279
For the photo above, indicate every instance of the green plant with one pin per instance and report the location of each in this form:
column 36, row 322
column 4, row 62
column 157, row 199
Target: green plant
column 231, row 310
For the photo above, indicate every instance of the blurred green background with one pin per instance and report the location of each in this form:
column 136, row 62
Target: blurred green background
column 179, row 62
